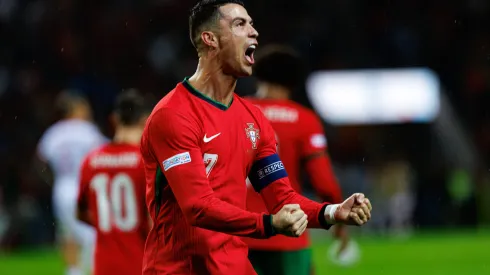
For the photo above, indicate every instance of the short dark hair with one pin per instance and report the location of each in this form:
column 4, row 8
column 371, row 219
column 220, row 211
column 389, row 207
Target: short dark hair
column 280, row 65
column 130, row 107
column 203, row 13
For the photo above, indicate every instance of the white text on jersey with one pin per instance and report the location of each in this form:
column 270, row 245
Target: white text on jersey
column 115, row 160
column 280, row 114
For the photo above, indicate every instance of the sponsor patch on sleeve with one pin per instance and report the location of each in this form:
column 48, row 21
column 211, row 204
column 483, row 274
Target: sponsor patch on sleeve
column 318, row 141
column 176, row 160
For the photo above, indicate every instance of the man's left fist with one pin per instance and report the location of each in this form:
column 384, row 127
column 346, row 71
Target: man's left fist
column 356, row 210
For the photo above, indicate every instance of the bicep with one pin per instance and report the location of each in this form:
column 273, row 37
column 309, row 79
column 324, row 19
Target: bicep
column 187, row 179
column 175, row 146
column 174, row 143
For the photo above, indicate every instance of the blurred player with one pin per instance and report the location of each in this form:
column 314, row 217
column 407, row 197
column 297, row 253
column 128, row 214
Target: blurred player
column 301, row 143
column 112, row 193
column 63, row 147
column 199, row 145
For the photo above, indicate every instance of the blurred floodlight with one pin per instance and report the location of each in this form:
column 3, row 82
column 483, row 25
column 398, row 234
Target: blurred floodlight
column 375, row 96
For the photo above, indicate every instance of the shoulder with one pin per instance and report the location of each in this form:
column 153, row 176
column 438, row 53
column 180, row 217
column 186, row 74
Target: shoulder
column 95, row 152
column 172, row 117
column 52, row 130
column 251, row 104
column 86, row 167
column 172, row 109
column 69, row 129
column 90, row 132
column 50, row 138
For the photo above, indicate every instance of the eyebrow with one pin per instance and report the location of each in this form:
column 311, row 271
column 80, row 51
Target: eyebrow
column 242, row 19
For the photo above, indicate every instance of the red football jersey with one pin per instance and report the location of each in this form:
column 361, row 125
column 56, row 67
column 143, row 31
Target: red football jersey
column 112, row 189
column 301, row 143
column 197, row 155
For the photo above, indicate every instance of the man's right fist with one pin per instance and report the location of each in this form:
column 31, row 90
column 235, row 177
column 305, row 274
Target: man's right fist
column 290, row 220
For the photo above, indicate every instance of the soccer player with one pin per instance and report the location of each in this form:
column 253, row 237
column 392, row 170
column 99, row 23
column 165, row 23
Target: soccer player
column 62, row 149
column 199, row 145
column 112, row 193
column 301, row 144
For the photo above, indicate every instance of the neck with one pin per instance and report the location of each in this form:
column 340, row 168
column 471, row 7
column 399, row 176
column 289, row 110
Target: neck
column 78, row 115
column 272, row 91
column 128, row 134
column 210, row 80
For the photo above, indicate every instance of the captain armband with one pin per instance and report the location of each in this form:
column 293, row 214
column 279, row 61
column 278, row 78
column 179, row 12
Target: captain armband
column 266, row 171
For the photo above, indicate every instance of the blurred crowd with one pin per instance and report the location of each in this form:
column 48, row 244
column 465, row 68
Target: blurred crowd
column 102, row 47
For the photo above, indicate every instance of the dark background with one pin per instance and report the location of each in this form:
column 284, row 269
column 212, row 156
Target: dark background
column 102, row 47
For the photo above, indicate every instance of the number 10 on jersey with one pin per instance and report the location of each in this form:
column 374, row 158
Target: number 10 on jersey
column 116, row 202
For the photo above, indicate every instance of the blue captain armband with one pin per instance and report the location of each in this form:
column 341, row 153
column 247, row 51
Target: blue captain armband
column 266, row 171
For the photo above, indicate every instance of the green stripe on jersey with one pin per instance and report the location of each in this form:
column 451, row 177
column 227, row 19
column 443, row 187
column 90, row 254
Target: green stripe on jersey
column 160, row 182
column 202, row 96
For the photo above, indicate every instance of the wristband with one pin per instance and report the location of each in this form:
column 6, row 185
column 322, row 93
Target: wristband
column 268, row 228
column 330, row 213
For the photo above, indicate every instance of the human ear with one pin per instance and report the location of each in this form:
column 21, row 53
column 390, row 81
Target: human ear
column 209, row 39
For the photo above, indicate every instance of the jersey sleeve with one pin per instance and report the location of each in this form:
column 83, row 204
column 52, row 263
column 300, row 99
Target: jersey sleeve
column 268, row 177
column 316, row 160
column 175, row 142
column 313, row 140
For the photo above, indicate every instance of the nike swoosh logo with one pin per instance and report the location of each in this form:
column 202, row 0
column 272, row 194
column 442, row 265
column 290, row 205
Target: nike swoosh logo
column 208, row 139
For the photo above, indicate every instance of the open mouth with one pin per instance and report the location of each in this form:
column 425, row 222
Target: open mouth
column 249, row 53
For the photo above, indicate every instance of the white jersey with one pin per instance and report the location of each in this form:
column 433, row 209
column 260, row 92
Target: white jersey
column 64, row 146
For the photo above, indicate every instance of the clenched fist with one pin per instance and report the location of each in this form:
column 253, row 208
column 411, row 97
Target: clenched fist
column 290, row 220
column 356, row 210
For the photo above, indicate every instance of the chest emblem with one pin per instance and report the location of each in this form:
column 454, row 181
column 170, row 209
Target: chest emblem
column 253, row 134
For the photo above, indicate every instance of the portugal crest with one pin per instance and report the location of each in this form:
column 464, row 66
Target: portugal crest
column 253, row 134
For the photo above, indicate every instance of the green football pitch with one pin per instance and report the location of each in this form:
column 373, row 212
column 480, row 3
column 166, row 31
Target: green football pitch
column 430, row 253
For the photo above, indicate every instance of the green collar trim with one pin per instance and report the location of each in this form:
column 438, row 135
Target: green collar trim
column 195, row 92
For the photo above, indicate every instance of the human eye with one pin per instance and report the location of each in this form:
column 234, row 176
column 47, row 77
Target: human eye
column 240, row 23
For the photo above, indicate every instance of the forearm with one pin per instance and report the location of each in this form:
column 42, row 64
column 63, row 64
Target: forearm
column 269, row 178
column 202, row 208
column 280, row 193
column 214, row 214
